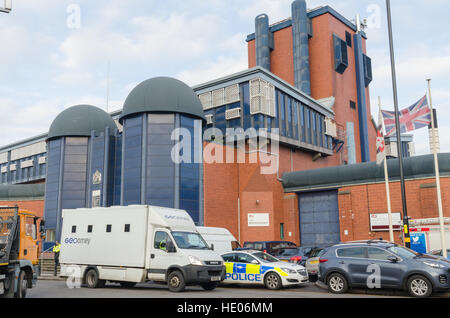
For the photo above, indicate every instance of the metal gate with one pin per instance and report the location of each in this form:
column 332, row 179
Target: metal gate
column 319, row 218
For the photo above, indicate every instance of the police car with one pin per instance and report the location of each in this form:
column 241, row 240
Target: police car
column 256, row 267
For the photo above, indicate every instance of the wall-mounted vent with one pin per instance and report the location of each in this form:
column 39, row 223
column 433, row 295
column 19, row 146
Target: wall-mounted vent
column 209, row 119
column 206, row 100
column 218, row 97
column 340, row 54
column 330, row 127
column 221, row 96
column 232, row 94
column 262, row 98
column 233, row 113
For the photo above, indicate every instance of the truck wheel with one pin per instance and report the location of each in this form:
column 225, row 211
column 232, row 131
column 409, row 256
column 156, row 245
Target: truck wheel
column 92, row 279
column 209, row 286
column 272, row 281
column 176, row 282
column 22, row 285
column 419, row 286
column 337, row 284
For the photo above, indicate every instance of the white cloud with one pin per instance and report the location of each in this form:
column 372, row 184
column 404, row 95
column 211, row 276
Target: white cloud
column 212, row 70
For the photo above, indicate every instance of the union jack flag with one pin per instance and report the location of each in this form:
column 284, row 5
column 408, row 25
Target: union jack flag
column 414, row 117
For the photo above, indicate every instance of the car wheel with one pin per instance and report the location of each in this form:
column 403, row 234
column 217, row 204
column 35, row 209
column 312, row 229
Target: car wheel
column 22, row 285
column 209, row 286
column 337, row 283
column 175, row 281
column 92, row 279
column 272, row 281
column 419, row 286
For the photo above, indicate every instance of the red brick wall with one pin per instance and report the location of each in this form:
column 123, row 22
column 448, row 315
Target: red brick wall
column 325, row 81
column 225, row 183
column 356, row 203
column 34, row 206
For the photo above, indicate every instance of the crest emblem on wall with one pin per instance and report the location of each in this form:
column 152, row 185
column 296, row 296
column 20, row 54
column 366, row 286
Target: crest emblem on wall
column 97, row 177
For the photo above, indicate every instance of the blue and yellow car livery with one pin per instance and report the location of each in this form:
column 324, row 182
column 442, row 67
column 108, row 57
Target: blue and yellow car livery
column 249, row 273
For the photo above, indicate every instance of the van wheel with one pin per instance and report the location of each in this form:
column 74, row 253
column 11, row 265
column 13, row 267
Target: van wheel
column 92, row 279
column 337, row 284
column 272, row 281
column 209, row 286
column 419, row 286
column 176, row 282
column 22, row 285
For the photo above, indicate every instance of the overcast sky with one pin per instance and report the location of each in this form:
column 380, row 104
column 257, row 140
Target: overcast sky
column 55, row 53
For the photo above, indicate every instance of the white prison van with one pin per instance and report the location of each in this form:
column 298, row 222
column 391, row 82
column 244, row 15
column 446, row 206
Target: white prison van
column 219, row 239
column 136, row 243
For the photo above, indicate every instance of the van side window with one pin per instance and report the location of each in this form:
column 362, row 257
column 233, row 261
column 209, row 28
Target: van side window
column 161, row 240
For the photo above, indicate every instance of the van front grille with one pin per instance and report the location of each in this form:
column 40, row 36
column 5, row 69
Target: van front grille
column 215, row 263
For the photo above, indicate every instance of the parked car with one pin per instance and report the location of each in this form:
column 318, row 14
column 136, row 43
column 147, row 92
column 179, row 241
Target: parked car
column 270, row 247
column 259, row 268
column 297, row 255
column 439, row 253
column 381, row 264
column 312, row 263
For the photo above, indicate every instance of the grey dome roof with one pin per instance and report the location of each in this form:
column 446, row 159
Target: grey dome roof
column 162, row 94
column 80, row 120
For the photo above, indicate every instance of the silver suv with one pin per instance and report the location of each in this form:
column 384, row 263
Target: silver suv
column 381, row 264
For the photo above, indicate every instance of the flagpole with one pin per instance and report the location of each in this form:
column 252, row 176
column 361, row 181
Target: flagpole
column 386, row 180
column 436, row 168
column 407, row 239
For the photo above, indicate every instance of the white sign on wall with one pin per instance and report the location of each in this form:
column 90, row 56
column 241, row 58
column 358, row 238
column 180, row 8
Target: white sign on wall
column 380, row 221
column 258, row 219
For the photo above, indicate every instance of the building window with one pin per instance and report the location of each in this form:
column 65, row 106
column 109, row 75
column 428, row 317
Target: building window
column 282, row 231
column 352, row 105
column 340, row 54
column 127, row 228
column 74, row 229
column 348, row 39
column 89, row 229
column 308, row 124
column 314, row 128
column 108, row 228
column 302, row 122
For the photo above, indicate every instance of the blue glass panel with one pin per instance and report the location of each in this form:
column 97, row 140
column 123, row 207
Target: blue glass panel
column 189, row 185
column 288, row 102
column 314, row 127
column 295, row 111
column 132, row 160
column 282, row 114
column 246, row 101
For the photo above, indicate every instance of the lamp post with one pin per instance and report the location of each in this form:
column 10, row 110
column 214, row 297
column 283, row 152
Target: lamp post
column 436, row 167
column 407, row 239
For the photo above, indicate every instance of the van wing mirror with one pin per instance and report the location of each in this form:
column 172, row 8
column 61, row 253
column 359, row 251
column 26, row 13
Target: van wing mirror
column 170, row 247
